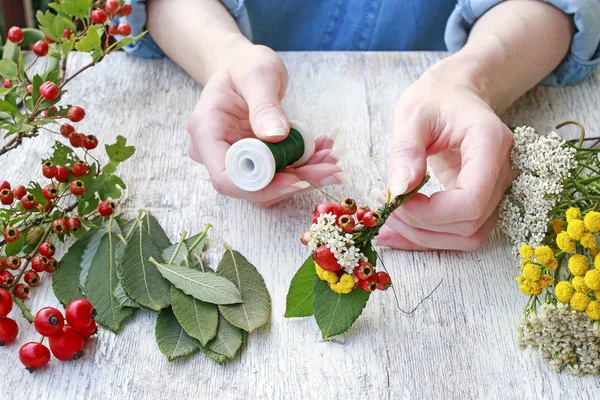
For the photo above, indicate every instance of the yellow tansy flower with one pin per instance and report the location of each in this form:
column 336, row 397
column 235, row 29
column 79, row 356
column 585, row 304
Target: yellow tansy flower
column 347, row 281
column 330, row 277
column 520, row 279
column 592, row 279
column 578, row 264
column 579, row 301
column 588, row 241
column 546, row 281
column 576, row 229
column 564, row 242
column 597, row 294
column 593, row 310
column 594, row 252
column 563, row 291
column 529, row 288
column 526, row 251
column 557, row 226
column 592, row 221
column 579, row 284
column 544, row 255
column 552, row 265
column 532, row 272
column 572, row 213
column 336, row 287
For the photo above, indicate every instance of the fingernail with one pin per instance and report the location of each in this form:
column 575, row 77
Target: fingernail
column 273, row 127
column 337, row 178
column 334, row 135
column 295, row 187
column 400, row 180
column 339, row 153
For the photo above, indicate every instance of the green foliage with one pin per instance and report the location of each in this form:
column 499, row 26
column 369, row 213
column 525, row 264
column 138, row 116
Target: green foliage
column 172, row 339
column 198, row 318
column 299, row 300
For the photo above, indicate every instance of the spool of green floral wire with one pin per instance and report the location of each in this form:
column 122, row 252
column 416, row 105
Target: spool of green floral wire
column 251, row 163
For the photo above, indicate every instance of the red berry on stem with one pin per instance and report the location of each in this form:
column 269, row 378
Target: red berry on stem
column 34, row 355
column 4, row 185
column 6, row 303
column 11, row 234
column 346, row 222
column 369, row 284
column 49, row 90
column 77, row 188
column 8, row 331
column 28, row 201
column 67, row 34
column 326, row 208
column 31, row 278
column 80, row 314
column 19, row 191
column 304, row 238
column 124, row 29
column 15, row 34
column 113, row 30
column 76, row 139
column 124, row 11
column 80, row 168
column 52, row 265
column 106, row 208
column 99, row 16
column 6, row 197
column 325, row 259
column 383, row 280
column 13, row 262
column 38, row 263
column 371, row 218
column 360, row 213
column 50, row 192
column 48, row 39
column 348, row 206
column 111, row 6
column 21, row 291
column 90, row 142
column 91, row 330
column 47, row 249
column 60, row 226
column 49, row 322
column 29, row 89
column 62, row 174
column 40, row 48
column 74, row 224
column 76, row 114
column 7, row 83
column 66, row 130
column 68, row 345
column 364, row 270
column 2, row 265
column 49, row 169
column 6, row 279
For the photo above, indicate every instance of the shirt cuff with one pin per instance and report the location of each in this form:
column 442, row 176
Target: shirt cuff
column 583, row 57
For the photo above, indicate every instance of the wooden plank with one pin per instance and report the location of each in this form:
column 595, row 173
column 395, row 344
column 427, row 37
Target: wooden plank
column 459, row 344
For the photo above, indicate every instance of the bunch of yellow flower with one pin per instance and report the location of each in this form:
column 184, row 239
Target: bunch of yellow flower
column 339, row 284
column 535, row 265
column 578, row 230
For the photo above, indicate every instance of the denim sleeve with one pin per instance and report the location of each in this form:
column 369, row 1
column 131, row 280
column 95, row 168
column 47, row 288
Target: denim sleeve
column 583, row 57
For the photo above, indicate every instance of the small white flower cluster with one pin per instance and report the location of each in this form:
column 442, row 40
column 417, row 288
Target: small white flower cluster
column 566, row 338
column 544, row 162
column 326, row 232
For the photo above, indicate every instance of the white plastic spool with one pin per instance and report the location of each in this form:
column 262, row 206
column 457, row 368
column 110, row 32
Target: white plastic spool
column 251, row 165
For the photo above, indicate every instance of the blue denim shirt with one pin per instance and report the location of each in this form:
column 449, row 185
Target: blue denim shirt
column 390, row 25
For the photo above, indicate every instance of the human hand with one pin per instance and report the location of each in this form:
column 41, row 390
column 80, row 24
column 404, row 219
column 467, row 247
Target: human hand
column 241, row 100
column 445, row 121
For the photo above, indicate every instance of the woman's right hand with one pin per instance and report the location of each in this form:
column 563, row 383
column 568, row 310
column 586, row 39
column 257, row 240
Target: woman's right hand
column 241, row 100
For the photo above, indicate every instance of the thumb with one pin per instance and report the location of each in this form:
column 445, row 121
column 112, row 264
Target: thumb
column 262, row 93
column 408, row 155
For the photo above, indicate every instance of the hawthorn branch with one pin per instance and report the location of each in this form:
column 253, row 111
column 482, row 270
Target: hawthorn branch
column 67, row 80
column 17, row 141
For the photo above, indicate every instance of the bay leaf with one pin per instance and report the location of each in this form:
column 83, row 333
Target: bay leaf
column 171, row 338
column 198, row 318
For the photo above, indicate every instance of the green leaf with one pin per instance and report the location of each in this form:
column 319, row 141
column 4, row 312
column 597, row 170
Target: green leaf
column 216, row 357
column 205, row 286
column 140, row 279
column 168, row 254
column 123, row 300
column 171, row 338
column 157, row 233
column 124, row 42
column 370, row 253
column 255, row 309
column 300, row 296
column 62, row 155
column 65, row 281
column 107, row 186
column 86, row 206
column 228, row 340
column 88, row 255
column 8, row 69
column 199, row 319
column 90, row 41
column 76, row 8
column 5, row 106
column 335, row 313
column 101, row 283
column 119, row 151
column 200, row 245
column 14, row 248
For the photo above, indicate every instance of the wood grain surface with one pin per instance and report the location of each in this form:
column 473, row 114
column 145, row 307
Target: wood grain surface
column 459, row 344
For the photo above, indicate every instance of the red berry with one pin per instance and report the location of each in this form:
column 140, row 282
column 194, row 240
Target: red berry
column 19, row 191
column 52, row 265
column 7, row 83
column 348, row 206
column 90, row 142
column 4, row 185
column 326, row 208
column 21, row 291
column 76, row 114
column 48, row 39
column 6, row 303
column 51, row 111
column 76, row 139
column 106, row 208
column 38, row 263
column 325, row 259
column 304, row 238
column 66, row 130
column 34, row 355
column 40, row 48
column 60, row 226
column 11, row 234
column 124, row 11
column 360, row 213
column 80, row 314
column 6, row 279
column 91, row 330
column 45, row 208
column 49, row 169
column 47, row 249
column 15, row 34
column 124, row 29
column 62, row 174
column 8, row 331
column 68, row 345
column 74, row 224
column 111, row 6
column 383, row 280
column 29, row 89
column 364, row 270
column 50, row 192
column 346, row 222
column 2, row 266
column 49, row 322
column 49, row 90
column 113, row 30
column 99, row 16
column 77, row 188
column 6, row 197
column 80, row 168
column 28, row 201
column 369, row 285
column 67, row 34
column 371, row 218
column 13, row 262
column 31, row 278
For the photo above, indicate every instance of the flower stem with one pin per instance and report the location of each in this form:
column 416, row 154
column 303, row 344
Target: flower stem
column 26, row 313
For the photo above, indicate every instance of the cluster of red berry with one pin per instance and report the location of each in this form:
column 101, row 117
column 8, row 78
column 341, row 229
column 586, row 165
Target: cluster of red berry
column 111, row 9
column 66, row 341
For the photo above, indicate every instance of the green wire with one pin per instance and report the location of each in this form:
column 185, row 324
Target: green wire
column 288, row 151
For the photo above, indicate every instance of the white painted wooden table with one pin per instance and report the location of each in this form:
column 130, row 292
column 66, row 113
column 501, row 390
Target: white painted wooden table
column 459, row 344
